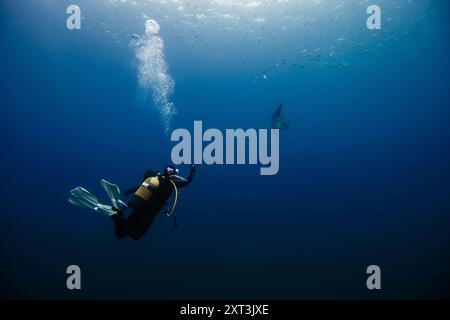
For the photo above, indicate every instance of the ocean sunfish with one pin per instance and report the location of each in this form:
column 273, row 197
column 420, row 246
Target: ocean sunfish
column 278, row 121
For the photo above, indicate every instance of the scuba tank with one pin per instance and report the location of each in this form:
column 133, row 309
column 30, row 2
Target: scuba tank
column 150, row 186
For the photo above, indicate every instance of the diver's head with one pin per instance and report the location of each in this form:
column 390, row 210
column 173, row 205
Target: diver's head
column 170, row 171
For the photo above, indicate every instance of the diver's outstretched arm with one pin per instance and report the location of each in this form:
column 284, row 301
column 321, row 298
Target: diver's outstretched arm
column 181, row 182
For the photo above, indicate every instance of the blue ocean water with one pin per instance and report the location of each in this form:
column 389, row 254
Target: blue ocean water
column 364, row 166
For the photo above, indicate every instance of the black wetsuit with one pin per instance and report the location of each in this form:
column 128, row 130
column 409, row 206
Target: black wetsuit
column 143, row 212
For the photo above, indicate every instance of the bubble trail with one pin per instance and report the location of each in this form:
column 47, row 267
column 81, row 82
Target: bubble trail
column 153, row 75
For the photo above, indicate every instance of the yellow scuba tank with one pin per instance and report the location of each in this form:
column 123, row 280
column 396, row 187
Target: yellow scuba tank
column 148, row 187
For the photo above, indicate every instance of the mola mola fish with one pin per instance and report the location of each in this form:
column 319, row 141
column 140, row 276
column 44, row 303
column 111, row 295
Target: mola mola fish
column 278, row 121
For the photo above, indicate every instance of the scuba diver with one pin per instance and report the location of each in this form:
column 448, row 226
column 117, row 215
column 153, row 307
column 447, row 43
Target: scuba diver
column 147, row 199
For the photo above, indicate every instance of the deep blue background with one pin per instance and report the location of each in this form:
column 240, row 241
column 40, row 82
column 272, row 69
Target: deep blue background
column 364, row 175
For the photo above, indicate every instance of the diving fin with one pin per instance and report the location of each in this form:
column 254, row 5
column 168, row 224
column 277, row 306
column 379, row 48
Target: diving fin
column 81, row 197
column 114, row 194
